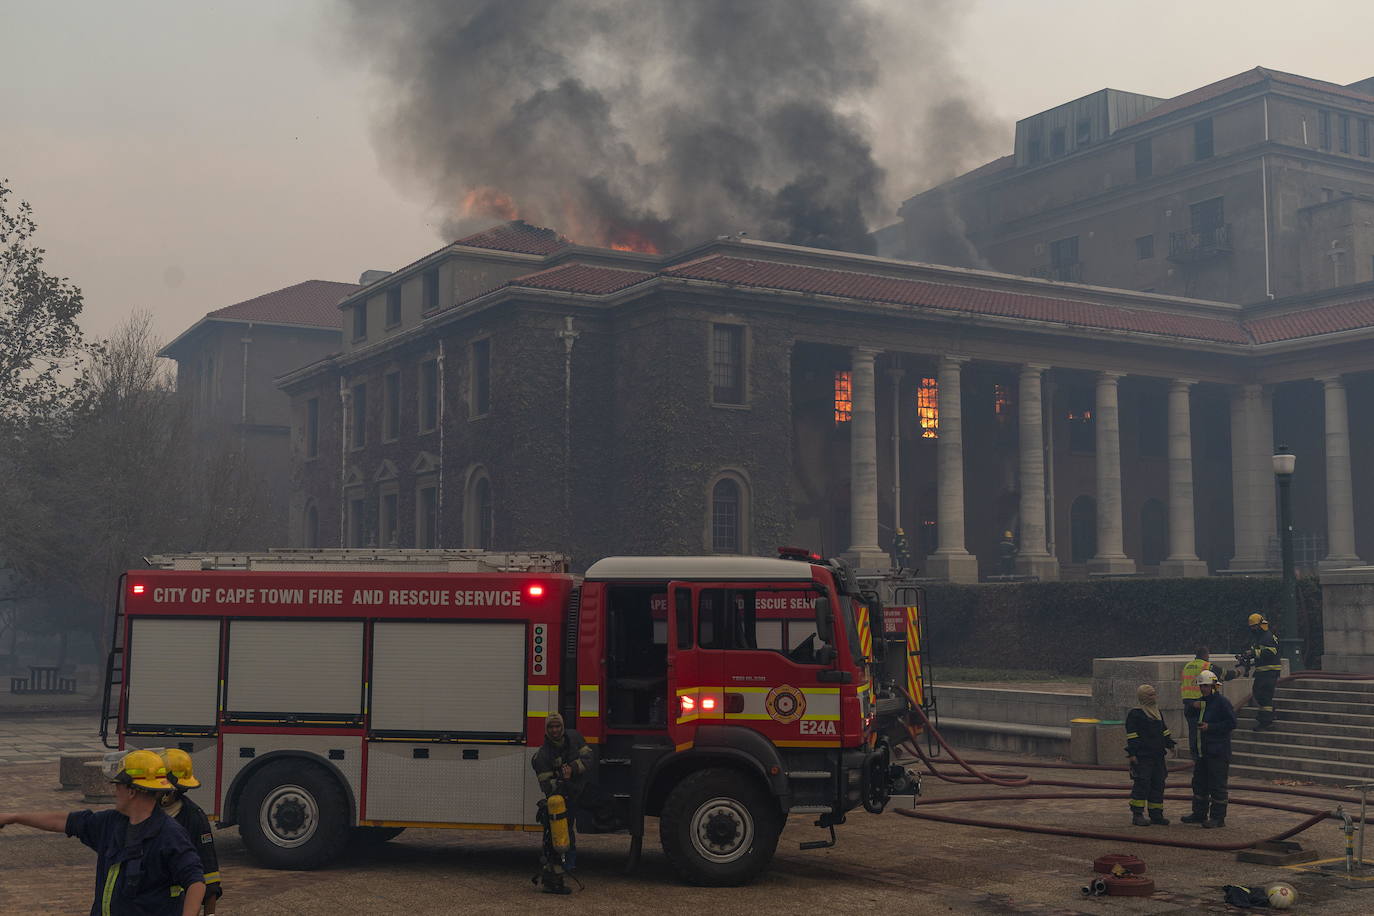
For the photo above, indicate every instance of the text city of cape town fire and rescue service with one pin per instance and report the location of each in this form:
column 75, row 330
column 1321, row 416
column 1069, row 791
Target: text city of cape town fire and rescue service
column 370, row 597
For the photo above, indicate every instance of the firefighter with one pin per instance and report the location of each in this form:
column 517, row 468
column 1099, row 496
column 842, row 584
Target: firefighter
column 901, row 550
column 192, row 819
column 1006, row 554
column 1187, row 688
column 145, row 865
column 562, row 764
column 1148, row 741
column 1211, row 754
column 1264, row 655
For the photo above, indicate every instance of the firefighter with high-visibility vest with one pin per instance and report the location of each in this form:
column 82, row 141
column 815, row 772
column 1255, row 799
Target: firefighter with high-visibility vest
column 1192, row 697
column 145, row 863
column 192, row 819
column 1264, row 657
column 561, row 765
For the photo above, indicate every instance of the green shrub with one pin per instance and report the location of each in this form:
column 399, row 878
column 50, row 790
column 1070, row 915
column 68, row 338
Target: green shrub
column 1063, row 626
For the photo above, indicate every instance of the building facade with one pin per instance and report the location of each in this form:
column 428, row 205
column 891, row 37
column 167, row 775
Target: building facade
column 227, row 365
column 513, row 391
column 1256, row 187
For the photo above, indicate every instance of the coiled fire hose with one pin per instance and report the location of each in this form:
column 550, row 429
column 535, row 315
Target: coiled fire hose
column 974, row 775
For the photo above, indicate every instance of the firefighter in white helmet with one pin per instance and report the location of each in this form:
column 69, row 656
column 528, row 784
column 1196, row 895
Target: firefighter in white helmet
column 1212, row 755
column 145, row 863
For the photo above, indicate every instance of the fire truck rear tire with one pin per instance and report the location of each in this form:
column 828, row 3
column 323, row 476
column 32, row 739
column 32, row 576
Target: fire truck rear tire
column 719, row 828
column 294, row 814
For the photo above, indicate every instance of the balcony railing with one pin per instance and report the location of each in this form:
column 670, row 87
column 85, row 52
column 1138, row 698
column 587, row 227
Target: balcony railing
column 1199, row 244
column 1064, row 273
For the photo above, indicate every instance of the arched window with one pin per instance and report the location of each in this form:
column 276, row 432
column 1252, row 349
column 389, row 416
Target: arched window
column 1154, row 536
column 1083, row 529
column 478, row 511
column 727, row 516
column 310, row 536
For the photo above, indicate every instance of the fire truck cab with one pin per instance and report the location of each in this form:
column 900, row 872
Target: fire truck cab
column 326, row 694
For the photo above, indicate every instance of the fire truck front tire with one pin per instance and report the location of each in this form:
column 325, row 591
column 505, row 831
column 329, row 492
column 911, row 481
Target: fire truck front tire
column 719, row 828
column 294, row 814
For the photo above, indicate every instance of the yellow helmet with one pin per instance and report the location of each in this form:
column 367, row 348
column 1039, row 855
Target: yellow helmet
column 179, row 768
column 144, row 769
column 1257, row 620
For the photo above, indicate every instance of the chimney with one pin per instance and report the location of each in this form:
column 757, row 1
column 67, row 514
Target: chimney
column 372, row 276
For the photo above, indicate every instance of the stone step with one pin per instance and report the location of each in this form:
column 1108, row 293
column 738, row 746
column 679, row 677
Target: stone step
column 1324, row 684
column 1336, row 696
column 1308, row 715
column 1321, row 748
column 1355, row 709
column 1284, row 736
column 1241, row 770
column 1305, row 767
column 1320, row 729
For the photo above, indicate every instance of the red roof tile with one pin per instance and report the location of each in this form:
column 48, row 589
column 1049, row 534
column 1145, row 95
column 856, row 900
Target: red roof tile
column 925, row 294
column 582, row 278
column 518, row 236
column 1330, row 319
column 314, row 303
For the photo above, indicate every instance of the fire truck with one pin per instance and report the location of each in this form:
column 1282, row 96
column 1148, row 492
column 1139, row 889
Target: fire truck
column 329, row 695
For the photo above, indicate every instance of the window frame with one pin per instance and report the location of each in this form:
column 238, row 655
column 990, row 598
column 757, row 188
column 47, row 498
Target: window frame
column 426, row 529
column 393, row 307
column 1144, row 158
column 355, row 522
column 743, row 513
column 477, row 517
column 360, row 321
column 1145, row 247
column 1204, row 140
column 427, row 414
column 720, row 396
column 429, row 290
column 388, row 518
column 391, row 406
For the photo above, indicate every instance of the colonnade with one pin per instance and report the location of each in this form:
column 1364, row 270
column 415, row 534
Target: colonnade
column 1252, row 441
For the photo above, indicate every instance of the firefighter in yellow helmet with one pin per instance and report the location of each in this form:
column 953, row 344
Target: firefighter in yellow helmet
column 192, row 819
column 1264, row 657
column 145, row 863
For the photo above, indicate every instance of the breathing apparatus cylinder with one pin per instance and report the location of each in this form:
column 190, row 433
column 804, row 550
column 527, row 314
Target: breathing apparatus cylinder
column 558, row 822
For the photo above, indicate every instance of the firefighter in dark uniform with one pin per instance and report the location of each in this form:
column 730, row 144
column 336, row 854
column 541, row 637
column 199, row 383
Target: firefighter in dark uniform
column 192, row 819
column 562, row 764
column 1192, row 697
column 1264, row 656
column 1148, row 741
column 1211, row 755
column 145, row 864
column 1006, row 554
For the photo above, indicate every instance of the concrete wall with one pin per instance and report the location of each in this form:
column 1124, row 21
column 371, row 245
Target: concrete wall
column 1348, row 620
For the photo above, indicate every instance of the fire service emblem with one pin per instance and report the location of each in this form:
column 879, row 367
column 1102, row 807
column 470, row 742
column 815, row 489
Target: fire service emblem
column 785, row 704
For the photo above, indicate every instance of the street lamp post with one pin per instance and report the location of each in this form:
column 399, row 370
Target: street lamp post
column 1291, row 644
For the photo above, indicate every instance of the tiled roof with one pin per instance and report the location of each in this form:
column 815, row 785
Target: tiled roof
column 1329, row 319
column 1248, row 78
column 925, row 294
column 313, row 303
column 582, row 278
column 518, row 236
column 989, row 168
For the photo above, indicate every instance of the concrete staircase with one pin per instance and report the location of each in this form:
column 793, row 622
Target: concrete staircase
column 1323, row 732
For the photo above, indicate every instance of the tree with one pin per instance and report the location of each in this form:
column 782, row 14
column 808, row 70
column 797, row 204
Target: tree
column 40, row 341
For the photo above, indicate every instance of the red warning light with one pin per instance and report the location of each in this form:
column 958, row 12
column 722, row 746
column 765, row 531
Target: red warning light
column 536, row 591
column 689, row 704
column 708, row 703
column 138, row 589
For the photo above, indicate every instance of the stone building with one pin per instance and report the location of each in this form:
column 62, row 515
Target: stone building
column 1256, row 187
column 228, row 361
column 511, row 390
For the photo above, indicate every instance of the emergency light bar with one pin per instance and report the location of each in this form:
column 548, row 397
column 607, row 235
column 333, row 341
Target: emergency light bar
column 798, row 553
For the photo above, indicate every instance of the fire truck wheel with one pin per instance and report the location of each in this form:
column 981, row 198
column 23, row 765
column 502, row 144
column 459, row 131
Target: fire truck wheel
column 293, row 814
column 719, row 829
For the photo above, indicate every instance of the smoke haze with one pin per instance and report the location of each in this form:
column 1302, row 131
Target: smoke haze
column 651, row 124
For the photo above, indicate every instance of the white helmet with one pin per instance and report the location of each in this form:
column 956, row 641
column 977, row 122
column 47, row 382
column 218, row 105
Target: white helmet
column 1207, row 677
column 1281, row 896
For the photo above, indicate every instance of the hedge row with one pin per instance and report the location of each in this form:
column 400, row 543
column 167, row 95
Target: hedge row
column 1063, row 626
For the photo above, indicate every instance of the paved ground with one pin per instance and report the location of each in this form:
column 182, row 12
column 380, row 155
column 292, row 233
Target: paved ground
column 42, row 739
column 884, row 863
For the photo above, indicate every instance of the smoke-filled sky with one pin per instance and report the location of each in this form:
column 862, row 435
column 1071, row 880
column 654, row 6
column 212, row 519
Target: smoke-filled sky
column 181, row 157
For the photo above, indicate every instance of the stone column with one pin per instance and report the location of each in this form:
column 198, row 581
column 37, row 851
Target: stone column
column 1340, row 505
column 1182, row 560
column 863, row 552
column 951, row 560
column 1032, row 557
column 1252, row 483
column 1110, row 558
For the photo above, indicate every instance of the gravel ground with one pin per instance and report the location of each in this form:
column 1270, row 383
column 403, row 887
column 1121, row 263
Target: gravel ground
column 887, row 861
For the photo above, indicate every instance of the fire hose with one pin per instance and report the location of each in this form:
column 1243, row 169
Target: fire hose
column 975, row 775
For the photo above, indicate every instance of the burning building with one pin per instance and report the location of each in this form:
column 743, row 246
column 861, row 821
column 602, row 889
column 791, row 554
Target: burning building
column 515, row 390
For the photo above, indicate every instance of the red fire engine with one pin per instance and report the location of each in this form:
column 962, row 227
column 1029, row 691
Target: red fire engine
column 324, row 693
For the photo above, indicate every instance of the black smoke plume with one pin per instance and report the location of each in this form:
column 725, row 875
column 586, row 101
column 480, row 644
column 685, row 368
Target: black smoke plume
column 650, row 124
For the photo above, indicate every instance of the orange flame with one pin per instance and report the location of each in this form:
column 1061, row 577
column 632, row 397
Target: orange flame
column 489, row 202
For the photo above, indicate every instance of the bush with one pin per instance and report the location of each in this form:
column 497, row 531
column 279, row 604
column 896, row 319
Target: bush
column 1063, row 626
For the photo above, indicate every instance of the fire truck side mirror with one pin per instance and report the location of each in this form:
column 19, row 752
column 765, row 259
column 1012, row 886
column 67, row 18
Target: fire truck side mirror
column 825, row 622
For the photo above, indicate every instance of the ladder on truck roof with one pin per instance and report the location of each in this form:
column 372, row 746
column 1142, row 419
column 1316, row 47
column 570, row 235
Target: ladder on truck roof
column 366, row 559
